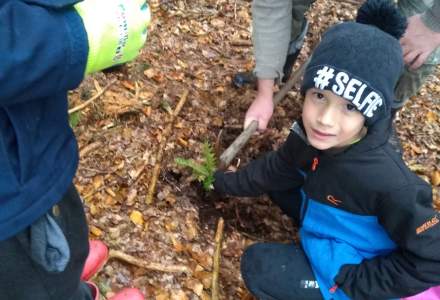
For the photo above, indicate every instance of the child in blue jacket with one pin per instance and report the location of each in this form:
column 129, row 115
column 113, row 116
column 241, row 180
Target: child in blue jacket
column 367, row 226
column 46, row 48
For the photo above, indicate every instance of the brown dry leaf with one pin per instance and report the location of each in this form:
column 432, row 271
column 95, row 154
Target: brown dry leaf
column 178, row 295
column 182, row 142
column 218, row 23
column 418, row 168
column 98, row 181
column 128, row 85
column 162, row 296
column 93, row 209
column 178, row 246
column 150, row 73
column 431, row 117
column 131, row 196
column 191, row 229
column 205, row 296
column 136, row 217
column 204, row 277
column 435, row 178
column 95, row 231
column 171, row 225
column 202, row 257
column 195, row 285
column 416, row 149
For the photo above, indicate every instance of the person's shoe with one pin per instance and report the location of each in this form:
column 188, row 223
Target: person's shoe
column 248, row 78
column 128, row 294
column 98, row 255
column 294, row 50
column 94, row 289
column 244, row 78
column 124, row 294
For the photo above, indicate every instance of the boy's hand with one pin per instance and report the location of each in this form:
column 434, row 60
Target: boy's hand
column 116, row 30
column 418, row 42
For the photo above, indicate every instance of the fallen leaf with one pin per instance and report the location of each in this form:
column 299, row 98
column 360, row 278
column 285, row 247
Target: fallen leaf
column 435, row 178
column 136, row 217
column 195, row 285
column 162, row 296
column 431, row 117
column 178, row 295
column 95, row 231
column 98, row 181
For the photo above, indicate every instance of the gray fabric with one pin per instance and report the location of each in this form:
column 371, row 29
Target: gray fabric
column 275, row 24
column 48, row 245
column 271, row 35
column 431, row 17
column 409, row 84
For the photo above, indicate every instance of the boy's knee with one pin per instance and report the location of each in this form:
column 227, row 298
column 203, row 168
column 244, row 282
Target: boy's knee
column 251, row 267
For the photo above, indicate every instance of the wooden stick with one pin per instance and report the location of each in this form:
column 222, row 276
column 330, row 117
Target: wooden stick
column 241, row 43
column 149, row 266
column 88, row 102
column 229, row 154
column 160, row 153
column 216, row 259
column 353, row 2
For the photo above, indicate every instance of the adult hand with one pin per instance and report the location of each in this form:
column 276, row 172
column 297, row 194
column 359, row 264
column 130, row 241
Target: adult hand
column 261, row 109
column 418, row 42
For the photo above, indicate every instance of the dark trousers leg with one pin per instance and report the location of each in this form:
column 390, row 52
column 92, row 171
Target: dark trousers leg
column 22, row 279
column 274, row 271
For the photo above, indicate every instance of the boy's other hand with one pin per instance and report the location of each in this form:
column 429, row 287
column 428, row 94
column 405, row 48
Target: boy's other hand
column 261, row 109
column 418, row 42
column 116, row 30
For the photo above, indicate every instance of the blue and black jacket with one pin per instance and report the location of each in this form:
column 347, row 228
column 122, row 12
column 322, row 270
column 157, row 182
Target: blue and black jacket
column 367, row 224
column 43, row 52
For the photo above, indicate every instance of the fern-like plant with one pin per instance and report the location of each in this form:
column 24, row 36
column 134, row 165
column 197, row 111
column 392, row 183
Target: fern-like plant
column 203, row 172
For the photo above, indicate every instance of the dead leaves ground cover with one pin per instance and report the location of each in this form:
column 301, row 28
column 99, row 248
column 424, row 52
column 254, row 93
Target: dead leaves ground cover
column 197, row 45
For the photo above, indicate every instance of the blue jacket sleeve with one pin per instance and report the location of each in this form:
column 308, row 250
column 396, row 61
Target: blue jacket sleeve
column 43, row 49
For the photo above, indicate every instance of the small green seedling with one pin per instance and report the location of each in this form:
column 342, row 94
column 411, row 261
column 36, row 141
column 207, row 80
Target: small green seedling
column 203, row 172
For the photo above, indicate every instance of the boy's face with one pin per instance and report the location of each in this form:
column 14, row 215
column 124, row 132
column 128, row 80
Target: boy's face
column 330, row 121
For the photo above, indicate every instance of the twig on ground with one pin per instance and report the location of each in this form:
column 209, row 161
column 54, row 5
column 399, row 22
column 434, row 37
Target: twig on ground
column 149, row 266
column 88, row 102
column 216, row 259
column 353, row 2
column 241, row 43
column 229, row 154
column 160, row 153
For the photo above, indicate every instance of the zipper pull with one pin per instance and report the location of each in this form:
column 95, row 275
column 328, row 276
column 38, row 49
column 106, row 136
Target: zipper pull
column 315, row 163
column 333, row 289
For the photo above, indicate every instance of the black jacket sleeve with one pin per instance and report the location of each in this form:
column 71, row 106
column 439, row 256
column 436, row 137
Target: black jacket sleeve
column 275, row 171
column 412, row 223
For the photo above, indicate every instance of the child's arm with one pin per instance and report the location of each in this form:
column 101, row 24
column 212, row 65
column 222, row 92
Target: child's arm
column 43, row 50
column 47, row 46
column 413, row 224
column 275, row 171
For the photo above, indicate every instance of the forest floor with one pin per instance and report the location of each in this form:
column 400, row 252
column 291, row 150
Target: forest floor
column 197, row 46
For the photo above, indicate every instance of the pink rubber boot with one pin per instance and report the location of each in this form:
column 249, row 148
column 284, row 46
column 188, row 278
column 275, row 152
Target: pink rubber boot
column 124, row 294
column 98, row 255
column 430, row 294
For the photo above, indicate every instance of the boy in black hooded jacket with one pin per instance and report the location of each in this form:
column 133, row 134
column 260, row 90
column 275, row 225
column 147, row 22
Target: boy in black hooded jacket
column 367, row 226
